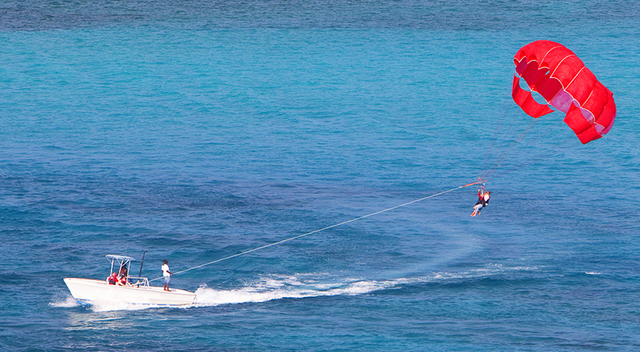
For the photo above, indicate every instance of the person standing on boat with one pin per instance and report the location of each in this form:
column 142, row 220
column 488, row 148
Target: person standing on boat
column 166, row 273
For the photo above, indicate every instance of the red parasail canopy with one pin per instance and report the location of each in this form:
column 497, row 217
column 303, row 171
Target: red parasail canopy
column 566, row 84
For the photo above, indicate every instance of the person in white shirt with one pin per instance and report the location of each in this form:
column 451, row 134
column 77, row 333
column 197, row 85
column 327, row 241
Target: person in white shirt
column 166, row 273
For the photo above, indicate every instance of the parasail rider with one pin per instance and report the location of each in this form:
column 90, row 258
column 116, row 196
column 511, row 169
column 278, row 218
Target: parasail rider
column 483, row 201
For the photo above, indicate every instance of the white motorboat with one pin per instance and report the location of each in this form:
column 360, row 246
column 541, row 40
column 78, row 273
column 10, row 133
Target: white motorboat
column 125, row 290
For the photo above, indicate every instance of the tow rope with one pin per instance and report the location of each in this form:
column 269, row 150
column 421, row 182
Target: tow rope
column 480, row 181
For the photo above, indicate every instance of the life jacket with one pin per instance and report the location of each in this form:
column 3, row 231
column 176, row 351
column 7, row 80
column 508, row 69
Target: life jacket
column 483, row 198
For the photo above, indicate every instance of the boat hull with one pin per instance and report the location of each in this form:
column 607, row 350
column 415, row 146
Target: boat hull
column 92, row 291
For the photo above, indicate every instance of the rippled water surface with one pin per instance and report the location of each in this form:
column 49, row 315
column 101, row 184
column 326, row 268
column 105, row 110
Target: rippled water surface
column 199, row 130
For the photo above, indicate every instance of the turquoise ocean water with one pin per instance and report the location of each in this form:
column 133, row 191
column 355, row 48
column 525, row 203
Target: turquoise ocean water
column 197, row 130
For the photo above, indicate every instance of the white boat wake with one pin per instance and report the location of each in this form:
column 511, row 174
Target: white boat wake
column 274, row 288
column 67, row 302
column 320, row 285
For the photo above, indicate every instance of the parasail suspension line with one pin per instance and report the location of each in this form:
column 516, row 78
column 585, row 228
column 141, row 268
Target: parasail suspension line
column 498, row 162
column 324, row 228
